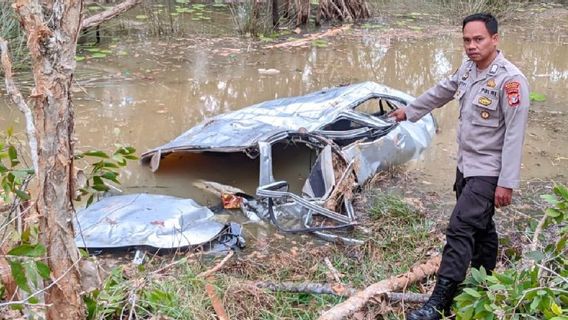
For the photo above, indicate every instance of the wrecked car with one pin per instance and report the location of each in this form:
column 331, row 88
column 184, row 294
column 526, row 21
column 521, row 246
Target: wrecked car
column 349, row 128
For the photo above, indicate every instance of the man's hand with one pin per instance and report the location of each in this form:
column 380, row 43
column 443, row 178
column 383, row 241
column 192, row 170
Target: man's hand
column 503, row 197
column 399, row 114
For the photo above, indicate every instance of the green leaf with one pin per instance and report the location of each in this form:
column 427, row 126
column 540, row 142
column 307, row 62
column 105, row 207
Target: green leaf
column 98, row 181
column 28, row 250
column 12, row 153
column 100, row 188
column 79, row 58
column 556, row 309
column 496, row 287
column 535, row 304
column 472, row 292
column 97, row 153
column 535, row 255
column 551, row 199
column 19, row 275
column 22, row 195
column 111, row 176
column 477, row 276
column 561, row 191
column 107, row 164
column 505, row 279
column 553, row 213
column 538, row 97
column 141, row 17
column 10, row 132
column 90, row 200
column 43, row 269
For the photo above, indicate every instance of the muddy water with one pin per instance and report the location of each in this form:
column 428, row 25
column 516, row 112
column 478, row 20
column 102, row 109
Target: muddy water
column 156, row 89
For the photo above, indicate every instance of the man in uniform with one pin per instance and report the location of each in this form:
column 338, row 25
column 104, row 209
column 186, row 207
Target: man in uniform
column 494, row 101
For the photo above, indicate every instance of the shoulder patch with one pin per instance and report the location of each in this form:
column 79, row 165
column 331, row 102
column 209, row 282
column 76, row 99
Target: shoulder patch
column 513, row 93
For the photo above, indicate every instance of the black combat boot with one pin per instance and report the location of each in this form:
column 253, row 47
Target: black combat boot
column 440, row 301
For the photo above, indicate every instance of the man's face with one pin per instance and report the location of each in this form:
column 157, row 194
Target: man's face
column 479, row 45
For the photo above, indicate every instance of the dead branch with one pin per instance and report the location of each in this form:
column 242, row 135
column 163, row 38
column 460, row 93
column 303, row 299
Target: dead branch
column 342, row 291
column 106, row 15
column 334, row 272
column 537, row 232
column 306, row 287
column 18, row 100
column 216, row 267
column 216, row 302
column 303, row 41
column 357, row 301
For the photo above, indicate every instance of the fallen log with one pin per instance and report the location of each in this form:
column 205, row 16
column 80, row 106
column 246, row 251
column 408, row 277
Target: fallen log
column 358, row 301
column 108, row 14
column 337, row 290
column 306, row 40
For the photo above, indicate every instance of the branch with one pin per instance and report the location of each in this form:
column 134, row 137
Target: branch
column 304, row 41
column 341, row 291
column 358, row 301
column 19, row 101
column 106, row 15
column 537, row 232
column 216, row 302
column 217, row 267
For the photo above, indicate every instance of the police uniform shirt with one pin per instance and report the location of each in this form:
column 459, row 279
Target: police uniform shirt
column 492, row 119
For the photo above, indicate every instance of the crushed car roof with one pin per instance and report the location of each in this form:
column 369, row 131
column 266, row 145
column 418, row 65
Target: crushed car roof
column 244, row 128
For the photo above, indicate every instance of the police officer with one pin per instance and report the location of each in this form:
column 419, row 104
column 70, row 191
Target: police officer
column 493, row 99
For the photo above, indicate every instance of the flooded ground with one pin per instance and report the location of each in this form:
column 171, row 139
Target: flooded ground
column 142, row 91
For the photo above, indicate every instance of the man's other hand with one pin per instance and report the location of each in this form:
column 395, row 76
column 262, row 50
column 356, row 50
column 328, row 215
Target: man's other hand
column 503, row 196
column 398, row 115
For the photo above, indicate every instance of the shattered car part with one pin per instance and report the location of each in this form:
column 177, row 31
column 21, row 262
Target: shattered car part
column 152, row 222
column 347, row 125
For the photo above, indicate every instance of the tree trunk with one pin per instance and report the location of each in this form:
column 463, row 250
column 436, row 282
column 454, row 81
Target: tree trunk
column 275, row 16
column 52, row 27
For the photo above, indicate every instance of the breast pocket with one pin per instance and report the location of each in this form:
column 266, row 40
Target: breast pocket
column 485, row 111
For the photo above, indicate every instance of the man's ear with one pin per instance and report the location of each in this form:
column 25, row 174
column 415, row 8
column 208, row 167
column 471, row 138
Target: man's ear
column 495, row 37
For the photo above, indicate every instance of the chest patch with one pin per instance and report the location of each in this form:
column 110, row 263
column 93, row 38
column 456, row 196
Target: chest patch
column 491, row 83
column 513, row 93
column 484, row 101
column 490, row 92
column 484, row 114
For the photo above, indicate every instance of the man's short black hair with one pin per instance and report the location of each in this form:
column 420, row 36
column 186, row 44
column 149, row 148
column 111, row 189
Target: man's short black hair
column 487, row 18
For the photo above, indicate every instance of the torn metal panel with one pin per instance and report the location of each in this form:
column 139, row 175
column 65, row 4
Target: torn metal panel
column 154, row 221
column 403, row 143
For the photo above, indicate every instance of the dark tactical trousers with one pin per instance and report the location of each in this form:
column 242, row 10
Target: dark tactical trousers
column 471, row 236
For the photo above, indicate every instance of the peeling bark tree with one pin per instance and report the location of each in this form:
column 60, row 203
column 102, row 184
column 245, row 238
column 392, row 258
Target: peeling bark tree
column 52, row 28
